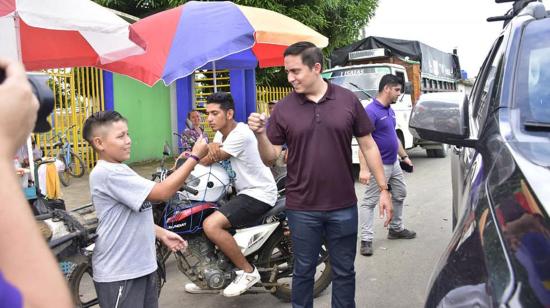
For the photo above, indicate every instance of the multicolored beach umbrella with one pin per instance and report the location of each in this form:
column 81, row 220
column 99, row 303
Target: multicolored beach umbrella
column 203, row 35
column 60, row 33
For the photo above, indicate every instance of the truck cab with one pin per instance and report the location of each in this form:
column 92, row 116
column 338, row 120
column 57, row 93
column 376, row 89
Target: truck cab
column 363, row 81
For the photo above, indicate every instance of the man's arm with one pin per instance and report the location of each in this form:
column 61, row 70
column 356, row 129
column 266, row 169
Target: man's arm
column 374, row 162
column 215, row 154
column 403, row 154
column 268, row 152
column 25, row 259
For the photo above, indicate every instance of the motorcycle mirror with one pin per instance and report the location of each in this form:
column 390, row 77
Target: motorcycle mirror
column 166, row 150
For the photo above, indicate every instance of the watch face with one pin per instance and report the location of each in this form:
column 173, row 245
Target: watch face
column 389, row 187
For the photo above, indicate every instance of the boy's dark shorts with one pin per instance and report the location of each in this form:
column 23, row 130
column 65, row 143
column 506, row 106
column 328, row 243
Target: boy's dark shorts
column 141, row 292
column 243, row 210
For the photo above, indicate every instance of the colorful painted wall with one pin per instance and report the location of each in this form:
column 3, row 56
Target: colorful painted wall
column 148, row 113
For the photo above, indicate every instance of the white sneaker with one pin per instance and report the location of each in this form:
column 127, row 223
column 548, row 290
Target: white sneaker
column 242, row 282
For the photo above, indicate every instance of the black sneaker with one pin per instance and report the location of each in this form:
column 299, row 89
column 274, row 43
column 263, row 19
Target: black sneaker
column 366, row 248
column 403, row 234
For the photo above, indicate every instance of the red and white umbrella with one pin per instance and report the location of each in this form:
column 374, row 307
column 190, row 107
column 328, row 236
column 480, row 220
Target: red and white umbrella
column 64, row 33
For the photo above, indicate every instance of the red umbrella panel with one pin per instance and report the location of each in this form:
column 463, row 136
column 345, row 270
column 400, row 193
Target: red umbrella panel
column 56, row 33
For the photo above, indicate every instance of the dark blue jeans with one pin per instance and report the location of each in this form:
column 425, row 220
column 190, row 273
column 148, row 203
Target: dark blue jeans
column 338, row 229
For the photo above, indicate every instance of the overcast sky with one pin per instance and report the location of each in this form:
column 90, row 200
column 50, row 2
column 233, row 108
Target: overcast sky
column 443, row 24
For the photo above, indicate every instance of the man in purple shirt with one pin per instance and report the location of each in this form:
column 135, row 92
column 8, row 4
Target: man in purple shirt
column 317, row 122
column 383, row 117
column 10, row 297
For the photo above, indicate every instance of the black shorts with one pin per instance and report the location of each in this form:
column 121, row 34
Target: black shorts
column 139, row 292
column 243, row 210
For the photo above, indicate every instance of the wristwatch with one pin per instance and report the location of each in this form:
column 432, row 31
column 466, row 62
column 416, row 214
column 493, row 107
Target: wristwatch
column 385, row 187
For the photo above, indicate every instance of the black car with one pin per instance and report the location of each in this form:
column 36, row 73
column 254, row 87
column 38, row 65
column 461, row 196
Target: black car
column 499, row 254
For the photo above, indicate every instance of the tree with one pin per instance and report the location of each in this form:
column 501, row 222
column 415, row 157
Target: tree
column 339, row 20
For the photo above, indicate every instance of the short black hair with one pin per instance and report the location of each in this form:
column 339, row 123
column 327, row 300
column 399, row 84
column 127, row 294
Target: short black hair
column 390, row 80
column 190, row 112
column 98, row 119
column 309, row 53
column 224, row 99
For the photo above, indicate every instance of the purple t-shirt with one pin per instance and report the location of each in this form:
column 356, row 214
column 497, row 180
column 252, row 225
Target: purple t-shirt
column 318, row 136
column 384, row 131
column 9, row 295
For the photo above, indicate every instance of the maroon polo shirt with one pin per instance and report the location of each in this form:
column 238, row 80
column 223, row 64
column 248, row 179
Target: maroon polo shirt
column 318, row 136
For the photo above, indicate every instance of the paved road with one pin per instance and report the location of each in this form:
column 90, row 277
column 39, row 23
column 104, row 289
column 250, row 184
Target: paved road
column 397, row 274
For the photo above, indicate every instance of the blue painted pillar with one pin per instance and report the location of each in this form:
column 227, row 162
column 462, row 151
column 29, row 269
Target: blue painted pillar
column 243, row 90
column 184, row 94
column 250, row 90
column 108, row 91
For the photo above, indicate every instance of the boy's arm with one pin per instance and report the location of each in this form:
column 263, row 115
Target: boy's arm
column 164, row 190
column 173, row 241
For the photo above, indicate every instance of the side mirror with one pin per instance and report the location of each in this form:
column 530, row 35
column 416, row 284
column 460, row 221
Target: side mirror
column 442, row 117
column 166, row 150
column 408, row 88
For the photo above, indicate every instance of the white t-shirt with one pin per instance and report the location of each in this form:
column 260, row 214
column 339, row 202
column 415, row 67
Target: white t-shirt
column 253, row 178
column 125, row 246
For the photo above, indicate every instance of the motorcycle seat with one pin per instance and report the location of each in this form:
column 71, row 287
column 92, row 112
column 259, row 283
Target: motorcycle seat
column 276, row 210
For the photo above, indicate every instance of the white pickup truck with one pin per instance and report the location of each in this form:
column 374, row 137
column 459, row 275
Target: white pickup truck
column 363, row 80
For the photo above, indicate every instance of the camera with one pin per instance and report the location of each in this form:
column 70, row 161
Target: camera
column 40, row 88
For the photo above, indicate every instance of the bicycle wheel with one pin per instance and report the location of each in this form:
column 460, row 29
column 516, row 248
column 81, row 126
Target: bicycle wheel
column 64, row 175
column 82, row 286
column 72, row 168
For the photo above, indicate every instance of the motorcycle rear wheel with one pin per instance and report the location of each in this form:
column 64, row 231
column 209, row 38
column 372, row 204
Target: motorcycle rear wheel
column 278, row 251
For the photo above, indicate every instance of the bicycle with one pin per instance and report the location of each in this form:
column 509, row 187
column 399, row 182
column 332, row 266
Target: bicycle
column 70, row 159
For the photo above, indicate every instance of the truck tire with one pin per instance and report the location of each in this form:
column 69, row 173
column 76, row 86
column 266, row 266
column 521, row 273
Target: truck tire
column 438, row 153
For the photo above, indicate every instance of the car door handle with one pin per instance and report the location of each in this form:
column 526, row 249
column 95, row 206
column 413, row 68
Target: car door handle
column 457, row 150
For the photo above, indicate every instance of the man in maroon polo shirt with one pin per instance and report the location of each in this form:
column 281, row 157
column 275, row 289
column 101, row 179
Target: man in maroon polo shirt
column 317, row 122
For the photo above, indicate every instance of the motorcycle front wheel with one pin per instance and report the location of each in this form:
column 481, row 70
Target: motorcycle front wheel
column 82, row 286
column 278, row 252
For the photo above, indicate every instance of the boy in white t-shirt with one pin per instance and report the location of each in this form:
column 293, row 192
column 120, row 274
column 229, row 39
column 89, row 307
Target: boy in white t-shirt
column 256, row 189
column 124, row 258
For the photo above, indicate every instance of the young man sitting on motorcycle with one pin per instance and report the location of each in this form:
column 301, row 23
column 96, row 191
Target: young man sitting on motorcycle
column 256, row 189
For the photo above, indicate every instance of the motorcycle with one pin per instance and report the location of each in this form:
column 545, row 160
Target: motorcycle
column 265, row 243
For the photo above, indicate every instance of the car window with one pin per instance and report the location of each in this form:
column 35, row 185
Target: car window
column 486, row 88
column 533, row 86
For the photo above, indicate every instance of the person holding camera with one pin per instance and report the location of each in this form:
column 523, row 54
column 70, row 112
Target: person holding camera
column 29, row 274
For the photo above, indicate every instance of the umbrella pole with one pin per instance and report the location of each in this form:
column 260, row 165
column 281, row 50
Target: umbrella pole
column 17, row 25
column 214, row 73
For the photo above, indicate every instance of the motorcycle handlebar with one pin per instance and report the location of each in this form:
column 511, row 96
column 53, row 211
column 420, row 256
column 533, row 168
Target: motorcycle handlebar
column 58, row 241
column 186, row 188
column 190, row 190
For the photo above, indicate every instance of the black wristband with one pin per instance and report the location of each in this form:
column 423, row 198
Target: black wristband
column 195, row 157
column 406, row 156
